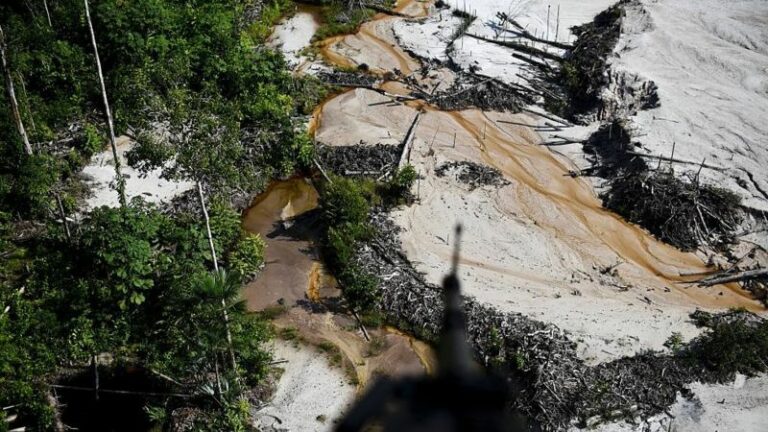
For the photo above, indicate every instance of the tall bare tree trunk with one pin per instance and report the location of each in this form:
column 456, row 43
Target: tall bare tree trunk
column 58, row 425
column 119, row 176
column 20, row 124
column 26, row 102
column 12, row 95
column 216, row 267
column 63, row 215
column 47, row 13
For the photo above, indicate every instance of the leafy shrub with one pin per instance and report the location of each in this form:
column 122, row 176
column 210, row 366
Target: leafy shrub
column 27, row 191
column 344, row 202
column 346, row 206
column 360, row 287
column 674, row 342
column 338, row 21
column 93, row 141
column 730, row 347
column 271, row 12
column 118, row 244
column 398, row 188
column 248, row 256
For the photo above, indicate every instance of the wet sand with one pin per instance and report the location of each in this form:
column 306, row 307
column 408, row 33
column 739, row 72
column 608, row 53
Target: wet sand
column 543, row 237
column 374, row 44
column 295, row 277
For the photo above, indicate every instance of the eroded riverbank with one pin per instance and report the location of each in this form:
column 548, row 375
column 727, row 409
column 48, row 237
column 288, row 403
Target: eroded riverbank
column 543, row 245
column 307, row 312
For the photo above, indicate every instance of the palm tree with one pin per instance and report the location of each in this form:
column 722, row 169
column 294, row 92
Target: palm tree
column 224, row 287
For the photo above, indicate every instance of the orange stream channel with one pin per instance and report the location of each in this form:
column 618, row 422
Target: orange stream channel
column 543, row 184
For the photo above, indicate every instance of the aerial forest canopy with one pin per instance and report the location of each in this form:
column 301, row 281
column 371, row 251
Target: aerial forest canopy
column 136, row 288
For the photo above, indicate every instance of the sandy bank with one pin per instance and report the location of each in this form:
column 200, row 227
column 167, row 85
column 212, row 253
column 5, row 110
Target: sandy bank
column 293, row 34
column 311, row 394
column 540, row 245
column 151, row 187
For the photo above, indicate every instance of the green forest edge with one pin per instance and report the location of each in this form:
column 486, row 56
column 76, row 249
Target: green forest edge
column 346, row 206
column 132, row 285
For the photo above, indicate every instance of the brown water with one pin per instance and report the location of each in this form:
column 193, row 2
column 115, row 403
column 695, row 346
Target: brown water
column 293, row 273
column 290, row 254
column 566, row 207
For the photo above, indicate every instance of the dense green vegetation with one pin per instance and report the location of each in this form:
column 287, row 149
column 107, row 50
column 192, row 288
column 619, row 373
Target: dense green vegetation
column 135, row 284
column 136, row 287
column 152, row 52
column 338, row 20
column 347, row 204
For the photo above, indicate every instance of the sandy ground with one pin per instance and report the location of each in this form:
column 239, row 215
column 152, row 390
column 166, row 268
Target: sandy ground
column 389, row 353
column 542, row 244
column 738, row 406
column 377, row 122
column 710, row 62
column 294, row 33
column 310, row 394
column 322, row 381
column 538, row 245
column 355, row 50
column 708, row 58
column 100, row 175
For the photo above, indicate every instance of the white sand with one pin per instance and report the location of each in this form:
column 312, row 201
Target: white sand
column 739, row 406
column 293, row 34
column 538, row 245
column 710, row 61
column 427, row 37
column 708, row 58
column 375, row 121
column 530, row 247
column 310, row 387
column 100, row 176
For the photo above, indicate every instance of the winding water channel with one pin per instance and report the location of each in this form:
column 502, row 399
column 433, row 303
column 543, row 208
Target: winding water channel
column 541, row 195
column 567, row 208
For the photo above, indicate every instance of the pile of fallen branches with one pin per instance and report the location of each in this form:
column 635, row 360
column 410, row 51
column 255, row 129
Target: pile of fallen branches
column 347, row 79
column 485, row 93
column 472, row 174
column 540, row 361
column 611, row 149
column 582, row 72
column 684, row 213
column 359, row 160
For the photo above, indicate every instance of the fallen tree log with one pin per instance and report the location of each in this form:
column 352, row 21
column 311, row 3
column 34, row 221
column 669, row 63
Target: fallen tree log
column 384, row 10
column 522, row 32
column 670, row 159
column 322, row 171
column 122, row 392
column 519, row 47
column 735, row 277
column 407, row 141
column 565, row 123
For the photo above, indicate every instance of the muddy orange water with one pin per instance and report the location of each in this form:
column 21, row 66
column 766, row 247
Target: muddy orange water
column 293, row 272
column 566, row 207
column 290, row 254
